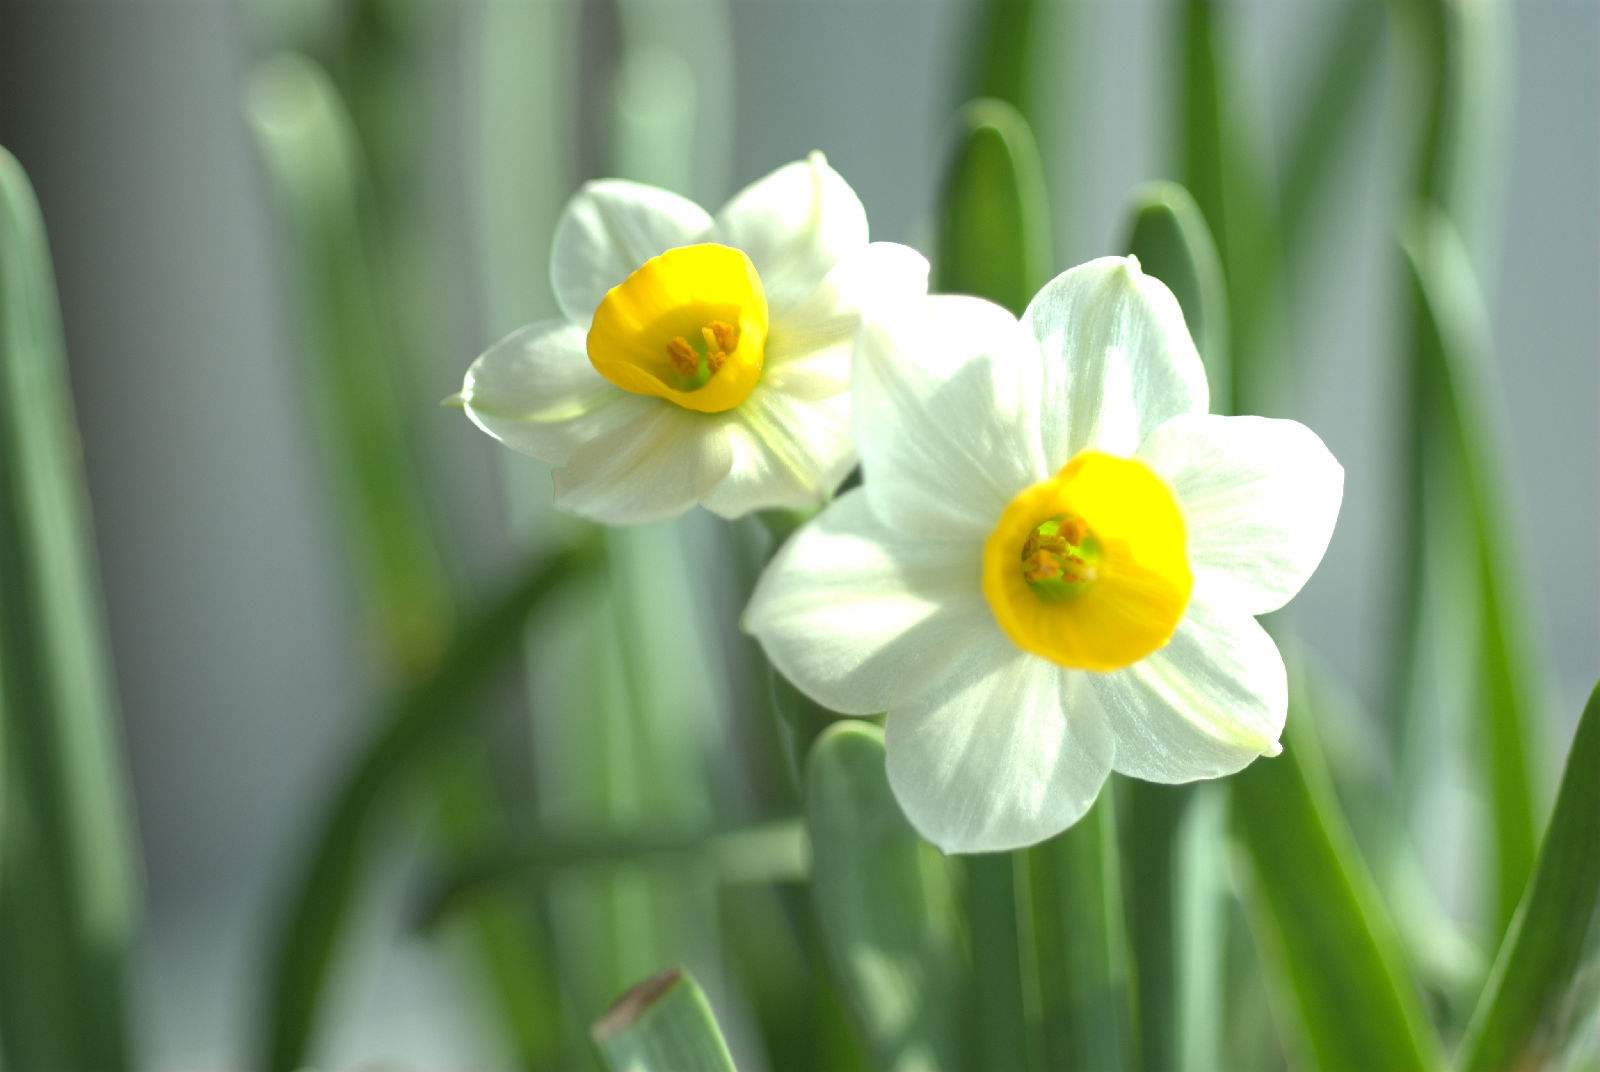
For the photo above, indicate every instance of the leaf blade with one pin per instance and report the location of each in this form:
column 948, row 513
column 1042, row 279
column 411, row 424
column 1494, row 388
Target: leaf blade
column 70, row 857
column 1541, row 951
column 887, row 906
column 665, row 1024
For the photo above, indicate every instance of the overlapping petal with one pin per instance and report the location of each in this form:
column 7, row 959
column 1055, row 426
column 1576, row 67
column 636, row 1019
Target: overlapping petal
column 946, row 397
column 856, row 615
column 608, row 229
column 536, row 392
column 1118, row 359
column 1207, row 704
column 656, row 464
column 1259, row 496
column 998, row 752
column 795, row 225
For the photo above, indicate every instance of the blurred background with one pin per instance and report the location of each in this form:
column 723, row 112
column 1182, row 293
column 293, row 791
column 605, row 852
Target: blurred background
column 242, row 659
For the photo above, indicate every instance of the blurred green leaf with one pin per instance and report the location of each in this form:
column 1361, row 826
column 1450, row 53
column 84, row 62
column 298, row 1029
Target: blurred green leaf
column 664, row 1024
column 1343, row 76
column 354, row 368
column 68, row 859
column 1317, row 913
column 1007, row 42
column 1543, row 946
column 768, row 853
column 994, row 228
column 887, row 907
column 1168, row 233
column 1080, row 953
column 1201, row 905
column 418, row 730
column 310, row 152
column 1221, row 167
column 1461, row 406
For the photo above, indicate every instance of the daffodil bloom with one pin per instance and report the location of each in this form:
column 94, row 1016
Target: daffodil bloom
column 698, row 359
column 1053, row 567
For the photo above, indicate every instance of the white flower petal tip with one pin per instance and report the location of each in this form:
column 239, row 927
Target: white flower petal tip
column 1273, row 749
column 1118, row 359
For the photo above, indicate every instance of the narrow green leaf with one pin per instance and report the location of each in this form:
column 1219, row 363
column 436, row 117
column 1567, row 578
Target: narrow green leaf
column 309, row 148
column 664, row 1024
column 1080, row 946
column 1543, row 947
column 1317, row 913
column 887, row 907
column 1453, row 362
column 1006, row 44
column 353, row 367
column 420, row 728
column 994, row 228
column 68, row 861
column 1006, row 1036
column 1221, row 167
column 767, row 853
column 1343, row 76
column 1168, row 233
column 1200, row 934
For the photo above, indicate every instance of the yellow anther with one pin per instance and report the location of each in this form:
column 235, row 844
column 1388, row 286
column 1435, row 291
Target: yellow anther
column 684, row 360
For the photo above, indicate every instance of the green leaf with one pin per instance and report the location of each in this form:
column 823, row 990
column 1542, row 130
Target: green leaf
column 1317, row 913
column 1343, row 76
column 1222, row 169
column 887, row 907
column 1007, row 42
column 767, row 853
column 68, row 860
column 352, row 367
column 994, row 228
column 1543, row 947
column 664, row 1024
column 1080, row 954
column 308, row 146
column 422, row 726
column 1461, row 411
column 1168, row 233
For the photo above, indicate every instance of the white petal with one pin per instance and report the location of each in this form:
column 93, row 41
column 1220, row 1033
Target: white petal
column 536, row 392
column 856, row 616
column 946, row 414
column 1000, row 753
column 1205, row 705
column 1259, row 496
column 795, row 225
column 789, row 452
column 1118, row 359
column 608, row 229
column 657, row 464
column 870, row 284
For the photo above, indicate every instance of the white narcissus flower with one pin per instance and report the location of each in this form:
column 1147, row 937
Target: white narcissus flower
column 1053, row 567
column 699, row 359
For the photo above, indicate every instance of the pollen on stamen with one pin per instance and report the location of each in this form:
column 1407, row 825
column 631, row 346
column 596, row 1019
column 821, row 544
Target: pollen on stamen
column 685, row 362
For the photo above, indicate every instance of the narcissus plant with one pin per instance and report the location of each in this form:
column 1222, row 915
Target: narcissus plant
column 1053, row 567
column 698, row 359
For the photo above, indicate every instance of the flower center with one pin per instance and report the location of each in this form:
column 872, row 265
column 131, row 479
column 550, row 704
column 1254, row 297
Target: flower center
column 689, row 326
column 1089, row 568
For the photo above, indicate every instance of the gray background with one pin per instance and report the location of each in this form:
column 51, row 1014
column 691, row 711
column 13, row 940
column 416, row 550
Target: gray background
column 231, row 618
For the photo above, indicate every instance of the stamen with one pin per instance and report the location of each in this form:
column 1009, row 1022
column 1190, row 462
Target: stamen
column 1058, row 557
column 684, row 360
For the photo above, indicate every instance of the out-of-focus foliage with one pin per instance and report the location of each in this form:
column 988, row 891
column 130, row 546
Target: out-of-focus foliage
column 663, row 1025
column 69, row 892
